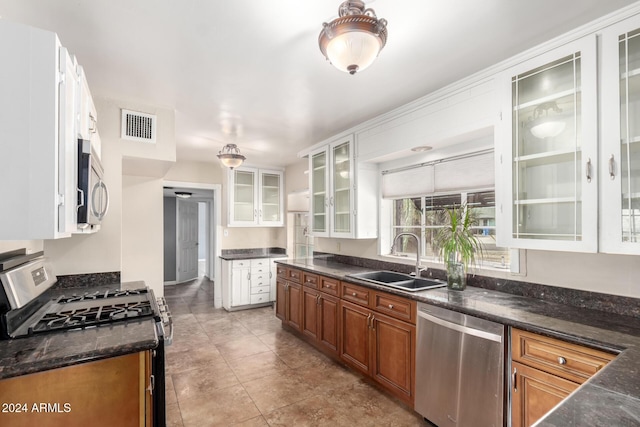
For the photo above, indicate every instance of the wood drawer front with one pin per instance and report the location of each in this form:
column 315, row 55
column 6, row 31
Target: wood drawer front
column 294, row 275
column 330, row 286
column 310, row 280
column 355, row 293
column 567, row 360
column 281, row 271
column 395, row 306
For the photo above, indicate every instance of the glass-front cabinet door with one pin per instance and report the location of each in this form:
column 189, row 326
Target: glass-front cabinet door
column 331, row 184
column 341, row 199
column 550, row 195
column 243, row 209
column 319, row 184
column 620, row 144
column 271, row 197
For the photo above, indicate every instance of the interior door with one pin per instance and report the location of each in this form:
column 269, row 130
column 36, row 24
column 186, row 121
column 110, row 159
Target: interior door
column 187, row 240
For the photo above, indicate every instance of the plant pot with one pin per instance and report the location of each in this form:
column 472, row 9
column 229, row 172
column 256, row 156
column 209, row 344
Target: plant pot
column 456, row 276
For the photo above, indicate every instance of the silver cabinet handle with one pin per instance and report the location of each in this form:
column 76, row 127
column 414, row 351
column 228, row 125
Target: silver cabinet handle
column 612, row 167
column 514, row 382
column 260, row 213
column 255, row 213
column 562, row 360
column 331, row 201
column 391, row 306
column 81, row 192
column 270, row 274
column 326, row 201
column 354, row 294
column 249, row 276
column 152, row 385
column 589, row 170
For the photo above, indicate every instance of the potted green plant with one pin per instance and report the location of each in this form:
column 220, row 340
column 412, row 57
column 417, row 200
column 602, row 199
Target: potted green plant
column 458, row 245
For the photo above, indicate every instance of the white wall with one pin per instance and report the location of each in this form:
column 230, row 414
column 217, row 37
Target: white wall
column 30, row 245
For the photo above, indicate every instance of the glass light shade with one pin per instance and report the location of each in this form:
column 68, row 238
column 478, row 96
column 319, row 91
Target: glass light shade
column 547, row 129
column 354, row 48
column 230, row 156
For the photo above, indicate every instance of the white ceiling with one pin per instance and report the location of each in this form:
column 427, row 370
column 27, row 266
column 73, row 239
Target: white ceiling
column 255, row 65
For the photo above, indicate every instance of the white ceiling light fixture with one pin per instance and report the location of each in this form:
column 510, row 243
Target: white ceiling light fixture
column 352, row 41
column 230, row 156
column 183, row 194
column 546, row 122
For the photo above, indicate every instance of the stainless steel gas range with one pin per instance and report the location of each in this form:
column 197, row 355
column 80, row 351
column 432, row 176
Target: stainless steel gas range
column 29, row 307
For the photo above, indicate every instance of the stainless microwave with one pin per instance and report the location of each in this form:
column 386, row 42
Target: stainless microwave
column 93, row 194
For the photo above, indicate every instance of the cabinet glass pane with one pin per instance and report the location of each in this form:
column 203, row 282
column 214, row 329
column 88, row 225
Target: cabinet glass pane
column 319, row 191
column 270, row 197
column 341, row 188
column 547, row 177
column 630, row 135
column 243, row 189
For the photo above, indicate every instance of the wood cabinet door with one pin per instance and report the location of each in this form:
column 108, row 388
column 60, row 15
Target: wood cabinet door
column 108, row 392
column 281, row 299
column 534, row 393
column 328, row 321
column 310, row 312
column 294, row 305
column 393, row 355
column 355, row 336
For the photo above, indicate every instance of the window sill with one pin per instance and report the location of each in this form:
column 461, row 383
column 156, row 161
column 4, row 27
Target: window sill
column 484, row 270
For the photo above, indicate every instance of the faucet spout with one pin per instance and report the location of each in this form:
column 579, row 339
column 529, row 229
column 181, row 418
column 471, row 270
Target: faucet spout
column 418, row 249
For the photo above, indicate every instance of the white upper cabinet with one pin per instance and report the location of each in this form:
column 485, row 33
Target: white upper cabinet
column 256, row 197
column 620, row 140
column 38, row 136
column 548, row 151
column 87, row 114
column 343, row 193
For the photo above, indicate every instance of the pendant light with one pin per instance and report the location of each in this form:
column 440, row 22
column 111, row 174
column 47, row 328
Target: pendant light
column 352, row 41
column 230, row 156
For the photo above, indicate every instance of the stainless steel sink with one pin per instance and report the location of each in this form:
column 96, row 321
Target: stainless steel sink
column 398, row 280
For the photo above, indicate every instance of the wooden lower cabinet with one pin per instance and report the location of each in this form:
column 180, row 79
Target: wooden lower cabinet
column 534, row 393
column 381, row 347
column 544, row 371
column 393, row 355
column 372, row 331
column 108, row 392
column 289, row 303
column 355, row 336
column 320, row 320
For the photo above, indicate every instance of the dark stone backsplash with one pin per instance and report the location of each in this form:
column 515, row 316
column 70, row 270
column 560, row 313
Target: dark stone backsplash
column 87, row 280
column 625, row 306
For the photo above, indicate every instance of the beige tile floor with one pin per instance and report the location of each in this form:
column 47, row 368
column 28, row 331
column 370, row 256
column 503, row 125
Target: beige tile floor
column 243, row 369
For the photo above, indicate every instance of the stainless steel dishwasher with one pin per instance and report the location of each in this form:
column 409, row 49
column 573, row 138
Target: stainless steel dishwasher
column 459, row 369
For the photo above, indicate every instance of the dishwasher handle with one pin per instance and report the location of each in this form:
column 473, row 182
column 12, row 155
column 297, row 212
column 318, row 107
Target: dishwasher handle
column 464, row 329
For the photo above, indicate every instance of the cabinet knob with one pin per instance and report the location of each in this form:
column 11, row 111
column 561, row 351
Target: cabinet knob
column 354, row 294
column 562, row 360
column 391, row 306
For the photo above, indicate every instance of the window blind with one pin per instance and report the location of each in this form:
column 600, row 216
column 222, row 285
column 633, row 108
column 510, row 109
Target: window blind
column 460, row 173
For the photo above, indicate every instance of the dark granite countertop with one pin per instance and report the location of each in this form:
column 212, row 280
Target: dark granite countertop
column 611, row 397
column 37, row 353
column 237, row 254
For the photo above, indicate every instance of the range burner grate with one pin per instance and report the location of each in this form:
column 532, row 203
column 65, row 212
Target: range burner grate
column 100, row 295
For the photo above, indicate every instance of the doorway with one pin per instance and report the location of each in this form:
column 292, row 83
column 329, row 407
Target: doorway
column 191, row 241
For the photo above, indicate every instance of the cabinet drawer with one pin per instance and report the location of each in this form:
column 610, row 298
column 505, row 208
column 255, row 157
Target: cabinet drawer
column 355, row 293
column 569, row 361
column 260, row 262
column 395, row 306
column 310, row 280
column 281, row 271
column 294, row 275
column 259, row 298
column 259, row 278
column 260, row 289
column 240, row 263
column 330, row 286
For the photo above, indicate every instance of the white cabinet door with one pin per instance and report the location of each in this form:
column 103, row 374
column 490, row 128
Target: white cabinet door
column 256, row 197
column 87, row 114
column 548, row 151
column 240, row 283
column 271, row 198
column 319, row 197
column 620, row 142
column 331, row 180
column 273, row 274
column 67, row 145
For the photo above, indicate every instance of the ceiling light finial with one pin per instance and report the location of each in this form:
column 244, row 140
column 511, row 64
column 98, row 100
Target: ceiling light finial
column 352, row 41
